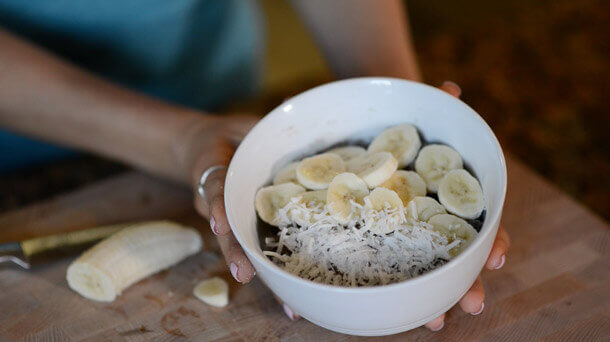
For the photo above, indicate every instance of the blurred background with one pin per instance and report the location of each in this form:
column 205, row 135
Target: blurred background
column 536, row 70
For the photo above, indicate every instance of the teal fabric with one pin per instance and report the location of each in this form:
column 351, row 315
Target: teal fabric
column 198, row 53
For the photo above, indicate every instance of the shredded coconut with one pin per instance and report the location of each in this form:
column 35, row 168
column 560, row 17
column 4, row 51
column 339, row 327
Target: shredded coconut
column 313, row 245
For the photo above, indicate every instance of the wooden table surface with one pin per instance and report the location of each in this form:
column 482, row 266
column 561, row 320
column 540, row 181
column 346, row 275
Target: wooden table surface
column 554, row 286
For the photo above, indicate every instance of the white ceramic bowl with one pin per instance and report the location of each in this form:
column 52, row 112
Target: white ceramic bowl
column 360, row 109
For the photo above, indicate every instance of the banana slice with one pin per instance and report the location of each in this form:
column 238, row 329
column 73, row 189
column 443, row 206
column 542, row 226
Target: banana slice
column 454, row 228
column 287, row 174
column 311, row 200
column 272, row 198
column 373, row 168
column 348, row 153
column 461, row 194
column 407, row 184
column 213, row 291
column 433, row 163
column 344, row 188
column 130, row 255
column 402, row 141
column 383, row 201
column 318, row 171
column 423, row 208
column 314, row 198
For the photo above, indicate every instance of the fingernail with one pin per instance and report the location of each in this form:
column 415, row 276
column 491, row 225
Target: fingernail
column 288, row 312
column 502, row 261
column 453, row 84
column 213, row 225
column 480, row 310
column 234, row 271
column 440, row 327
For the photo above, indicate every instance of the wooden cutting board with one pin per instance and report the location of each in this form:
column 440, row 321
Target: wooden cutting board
column 555, row 284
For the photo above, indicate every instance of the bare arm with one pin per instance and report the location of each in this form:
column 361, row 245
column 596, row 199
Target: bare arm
column 362, row 37
column 45, row 97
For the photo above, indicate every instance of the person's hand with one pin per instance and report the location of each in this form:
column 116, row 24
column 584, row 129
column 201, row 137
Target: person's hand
column 473, row 301
column 214, row 145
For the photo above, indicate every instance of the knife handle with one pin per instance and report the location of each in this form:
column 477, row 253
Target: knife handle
column 44, row 248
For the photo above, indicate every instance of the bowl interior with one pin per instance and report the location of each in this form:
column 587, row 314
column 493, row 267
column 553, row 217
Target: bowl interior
column 351, row 110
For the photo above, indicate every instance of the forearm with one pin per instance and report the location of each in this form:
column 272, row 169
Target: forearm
column 47, row 98
column 362, row 37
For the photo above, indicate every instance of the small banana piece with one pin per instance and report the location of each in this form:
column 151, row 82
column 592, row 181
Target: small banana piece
column 461, row 194
column 423, row 208
column 130, row 255
column 454, row 228
column 343, row 189
column 272, row 198
column 383, row 200
column 433, row 163
column 311, row 200
column 287, row 174
column 407, row 184
column 374, row 168
column 348, row 153
column 402, row 141
column 318, row 171
column 213, row 291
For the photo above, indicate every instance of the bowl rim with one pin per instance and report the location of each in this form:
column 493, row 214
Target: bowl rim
column 489, row 220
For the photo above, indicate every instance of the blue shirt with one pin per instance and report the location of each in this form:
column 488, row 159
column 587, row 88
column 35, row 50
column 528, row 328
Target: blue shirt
column 198, row 53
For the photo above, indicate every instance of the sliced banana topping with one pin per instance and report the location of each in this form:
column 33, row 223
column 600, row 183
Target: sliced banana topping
column 407, row 184
column 213, row 291
column 314, row 198
column 384, row 211
column 348, row 153
column 423, row 208
column 287, row 174
column 461, row 194
column 454, row 228
column 302, row 215
column 343, row 189
column 272, row 198
column 433, row 163
column 402, row 141
column 130, row 255
column 318, row 171
column 374, row 168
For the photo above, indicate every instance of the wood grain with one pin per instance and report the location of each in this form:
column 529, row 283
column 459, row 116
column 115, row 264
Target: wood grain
column 555, row 285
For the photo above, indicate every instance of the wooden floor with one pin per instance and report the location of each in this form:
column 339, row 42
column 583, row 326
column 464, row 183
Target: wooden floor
column 555, row 285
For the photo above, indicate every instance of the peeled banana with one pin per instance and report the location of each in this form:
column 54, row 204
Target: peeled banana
column 130, row 255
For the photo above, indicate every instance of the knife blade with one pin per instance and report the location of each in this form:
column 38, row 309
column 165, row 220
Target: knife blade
column 38, row 250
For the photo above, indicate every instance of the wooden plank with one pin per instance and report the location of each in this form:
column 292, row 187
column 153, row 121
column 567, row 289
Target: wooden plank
column 555, row 284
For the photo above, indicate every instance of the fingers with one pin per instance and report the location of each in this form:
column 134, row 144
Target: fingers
column 239, row 265
column 497, row 257
column 214, row 194
column 473, row 301
column 436, row 324
column 287, row 310
column 451, row 88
